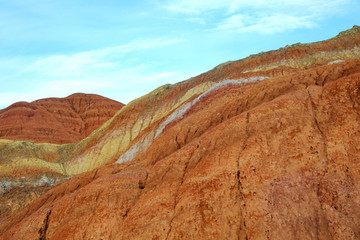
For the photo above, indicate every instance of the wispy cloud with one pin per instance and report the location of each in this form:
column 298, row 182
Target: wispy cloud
column 231, row 6
column 264, row 24
column 95, row 71
column 91, row 62
column 260, row 16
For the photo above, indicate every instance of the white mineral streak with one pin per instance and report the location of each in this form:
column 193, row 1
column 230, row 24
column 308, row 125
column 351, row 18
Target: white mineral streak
column 43, row 181
column 336, row 61
column 143, row 144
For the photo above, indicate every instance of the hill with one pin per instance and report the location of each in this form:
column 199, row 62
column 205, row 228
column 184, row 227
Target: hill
column 56, row 120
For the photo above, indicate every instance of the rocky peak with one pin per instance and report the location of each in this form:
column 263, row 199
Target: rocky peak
column 350, row 32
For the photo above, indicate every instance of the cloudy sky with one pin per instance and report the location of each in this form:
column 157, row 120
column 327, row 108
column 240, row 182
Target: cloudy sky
column 124, row 49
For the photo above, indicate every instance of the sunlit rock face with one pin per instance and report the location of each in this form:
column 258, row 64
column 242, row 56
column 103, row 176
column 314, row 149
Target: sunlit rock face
column 56, row 120
column 262, row 148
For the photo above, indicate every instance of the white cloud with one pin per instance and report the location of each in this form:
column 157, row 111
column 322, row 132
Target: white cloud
column 104, row 71
column 271, row 16
column 265, row 24
column 231, row 6
column 89, row 62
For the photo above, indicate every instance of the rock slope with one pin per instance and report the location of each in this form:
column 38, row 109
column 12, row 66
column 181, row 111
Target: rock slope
column 56, row 120
column 262, row 148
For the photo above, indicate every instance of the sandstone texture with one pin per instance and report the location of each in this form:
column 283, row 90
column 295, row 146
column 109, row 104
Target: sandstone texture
column 56, row 120
column 267, row 147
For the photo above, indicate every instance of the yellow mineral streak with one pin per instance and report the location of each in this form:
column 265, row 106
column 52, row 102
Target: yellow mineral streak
column 118, row 141
column 31, row 162
column 312, row 59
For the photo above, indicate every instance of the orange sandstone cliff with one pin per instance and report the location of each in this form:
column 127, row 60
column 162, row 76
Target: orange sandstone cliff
column 267, row 147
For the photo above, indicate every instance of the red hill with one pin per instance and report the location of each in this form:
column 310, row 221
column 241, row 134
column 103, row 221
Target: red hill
column 56, row 120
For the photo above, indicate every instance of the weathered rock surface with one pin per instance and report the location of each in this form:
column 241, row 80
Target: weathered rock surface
column 56, row 120
column 274, row 155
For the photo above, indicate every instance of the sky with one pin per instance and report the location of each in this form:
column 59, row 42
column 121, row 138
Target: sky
column 125, row 49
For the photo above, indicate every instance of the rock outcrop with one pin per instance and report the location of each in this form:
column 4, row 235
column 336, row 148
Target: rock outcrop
column 267, row 147
column 56, row 120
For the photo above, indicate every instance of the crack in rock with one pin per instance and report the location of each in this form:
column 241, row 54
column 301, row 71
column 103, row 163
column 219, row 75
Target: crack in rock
column 44, row 228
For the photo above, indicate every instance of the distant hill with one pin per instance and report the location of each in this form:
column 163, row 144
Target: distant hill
column 56, row 120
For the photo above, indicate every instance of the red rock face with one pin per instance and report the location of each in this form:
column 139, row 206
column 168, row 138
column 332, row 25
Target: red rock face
column 272, row 159
column 56, row 120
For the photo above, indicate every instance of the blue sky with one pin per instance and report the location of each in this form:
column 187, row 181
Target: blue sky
column 125, row 49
